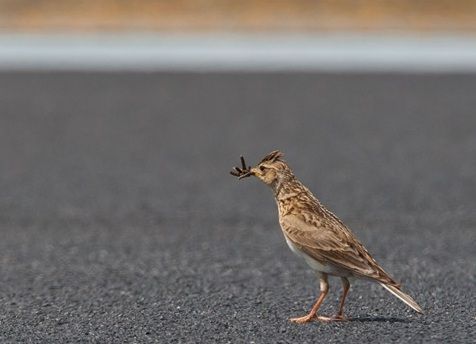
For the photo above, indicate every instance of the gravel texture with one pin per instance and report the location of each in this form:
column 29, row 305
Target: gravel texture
column 120, row 223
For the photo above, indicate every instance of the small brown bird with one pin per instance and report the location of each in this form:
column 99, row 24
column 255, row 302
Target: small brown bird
column 318, row 236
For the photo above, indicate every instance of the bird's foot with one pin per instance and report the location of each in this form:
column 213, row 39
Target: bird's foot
column 311, row 317
column 337, row 317
column 303, row 320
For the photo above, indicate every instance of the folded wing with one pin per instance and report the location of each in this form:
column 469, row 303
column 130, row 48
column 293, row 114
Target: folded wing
column 328, row 240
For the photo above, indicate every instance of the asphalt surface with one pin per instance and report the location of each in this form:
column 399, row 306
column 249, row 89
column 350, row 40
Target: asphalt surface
column 119, row 221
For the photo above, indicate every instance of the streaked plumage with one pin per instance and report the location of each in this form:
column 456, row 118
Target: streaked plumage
column 317, row 235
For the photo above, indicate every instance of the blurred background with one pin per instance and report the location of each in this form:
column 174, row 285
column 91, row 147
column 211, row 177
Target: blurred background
column 119, row 122
column 280, row 16
column 238, row 35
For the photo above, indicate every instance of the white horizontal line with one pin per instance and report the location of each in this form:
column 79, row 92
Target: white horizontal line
column 237, row 53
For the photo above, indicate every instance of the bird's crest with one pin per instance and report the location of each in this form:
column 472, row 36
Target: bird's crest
column 273, row 156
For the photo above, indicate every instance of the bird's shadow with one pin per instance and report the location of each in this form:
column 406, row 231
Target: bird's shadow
column 366, row 318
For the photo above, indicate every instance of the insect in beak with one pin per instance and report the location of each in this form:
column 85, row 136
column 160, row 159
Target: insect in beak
column 242, row 172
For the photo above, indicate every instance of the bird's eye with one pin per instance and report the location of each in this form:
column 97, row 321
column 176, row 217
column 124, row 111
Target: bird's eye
column 261, row 168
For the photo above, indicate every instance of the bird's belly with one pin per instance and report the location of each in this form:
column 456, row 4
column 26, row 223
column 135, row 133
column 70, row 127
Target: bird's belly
column 314, row 264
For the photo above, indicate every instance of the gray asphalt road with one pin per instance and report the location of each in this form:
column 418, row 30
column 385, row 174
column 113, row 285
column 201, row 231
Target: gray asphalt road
column 119, row 221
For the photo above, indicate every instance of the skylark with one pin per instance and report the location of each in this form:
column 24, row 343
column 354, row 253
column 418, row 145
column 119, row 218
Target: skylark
column 315, row 234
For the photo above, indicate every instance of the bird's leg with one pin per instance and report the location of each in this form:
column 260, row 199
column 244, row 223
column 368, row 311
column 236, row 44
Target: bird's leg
column 324, row 286
column 346, row 286
column 340, row 314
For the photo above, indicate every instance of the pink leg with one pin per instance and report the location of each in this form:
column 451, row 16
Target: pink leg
column 312, row 314
column 340, row 315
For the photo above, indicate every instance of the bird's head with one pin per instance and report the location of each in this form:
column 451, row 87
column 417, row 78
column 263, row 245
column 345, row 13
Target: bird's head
column 271, row 170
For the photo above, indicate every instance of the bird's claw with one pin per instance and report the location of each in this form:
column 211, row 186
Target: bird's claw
column 332, row 318
column 302, row 320
column 309, row 318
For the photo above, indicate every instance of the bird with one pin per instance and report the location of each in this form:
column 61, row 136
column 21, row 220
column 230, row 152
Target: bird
column 319, row 237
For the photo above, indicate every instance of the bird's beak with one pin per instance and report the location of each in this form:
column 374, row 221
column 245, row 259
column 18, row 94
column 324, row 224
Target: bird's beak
column 254, row 171
column 247, row 174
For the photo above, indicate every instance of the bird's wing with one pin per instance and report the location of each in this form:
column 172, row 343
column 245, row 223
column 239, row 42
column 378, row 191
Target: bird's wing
column 329, row 241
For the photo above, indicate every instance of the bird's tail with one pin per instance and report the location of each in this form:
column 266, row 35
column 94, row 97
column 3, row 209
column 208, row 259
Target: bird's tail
column 404, row 297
